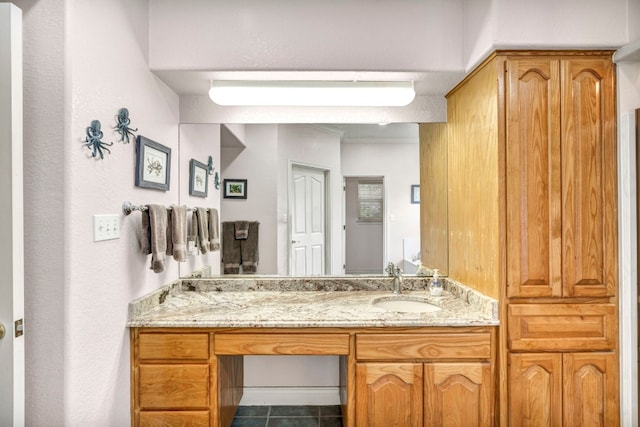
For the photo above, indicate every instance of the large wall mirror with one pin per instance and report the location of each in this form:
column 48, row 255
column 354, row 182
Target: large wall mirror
column 331, row 199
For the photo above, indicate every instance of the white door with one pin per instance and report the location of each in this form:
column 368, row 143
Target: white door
column 11, row 228
column 307, row 255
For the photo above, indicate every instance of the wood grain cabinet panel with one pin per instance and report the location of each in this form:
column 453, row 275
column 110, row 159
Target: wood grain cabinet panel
column 591, row 390
column 561, row 169
column 389, row 395
column 562, row 327
column 533, row 166
column 174, row 419
column 563, row 389
column 173, row 346
column 316, row 344
column 174, row 386
column 458, row 394
column 423, row 346
column 589, row 174
column 535, row 390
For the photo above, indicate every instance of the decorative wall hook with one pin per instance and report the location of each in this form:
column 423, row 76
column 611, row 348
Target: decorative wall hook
column 123, row 126
column 212, row 171
column 93, row 140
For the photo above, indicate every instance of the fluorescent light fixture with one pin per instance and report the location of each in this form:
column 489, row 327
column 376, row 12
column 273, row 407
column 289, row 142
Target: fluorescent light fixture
column 311, row 93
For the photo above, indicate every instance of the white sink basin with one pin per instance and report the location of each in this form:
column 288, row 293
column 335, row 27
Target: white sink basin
column 406, row 304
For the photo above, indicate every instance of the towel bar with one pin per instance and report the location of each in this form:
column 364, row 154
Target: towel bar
column 128, row 207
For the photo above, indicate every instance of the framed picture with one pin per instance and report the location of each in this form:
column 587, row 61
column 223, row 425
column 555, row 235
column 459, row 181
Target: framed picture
column 153, row 164
column 415, row 194
column 198, row 182
column 235, row 189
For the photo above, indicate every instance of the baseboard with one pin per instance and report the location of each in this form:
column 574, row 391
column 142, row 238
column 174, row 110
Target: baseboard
column 255, row 396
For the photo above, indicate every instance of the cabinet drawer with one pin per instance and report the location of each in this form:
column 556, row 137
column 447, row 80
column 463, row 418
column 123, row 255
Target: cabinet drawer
column 423, row 346
column 174, row 386
column 562, row 327
column 173, row 346
column 281, row 344
column 174, row 418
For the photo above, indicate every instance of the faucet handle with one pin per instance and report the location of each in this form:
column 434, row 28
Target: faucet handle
column 390, row 268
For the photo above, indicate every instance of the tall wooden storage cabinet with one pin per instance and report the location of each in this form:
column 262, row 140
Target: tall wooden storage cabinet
column 542, row 126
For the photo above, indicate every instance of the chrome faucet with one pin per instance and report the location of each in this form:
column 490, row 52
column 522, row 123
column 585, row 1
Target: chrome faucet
column 396, row 273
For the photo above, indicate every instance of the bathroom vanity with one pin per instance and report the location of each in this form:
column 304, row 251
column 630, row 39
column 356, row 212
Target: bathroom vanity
column 408, row 368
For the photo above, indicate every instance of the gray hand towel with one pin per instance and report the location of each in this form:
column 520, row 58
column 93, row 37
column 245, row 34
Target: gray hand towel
column 214, row 233
column 242, row 230
column 192, row 239
column 203, row 229
column 249, row 249
column 230, row 249
column 158, row 225
column 144, row 235
column 179, row 232
column 169, row 234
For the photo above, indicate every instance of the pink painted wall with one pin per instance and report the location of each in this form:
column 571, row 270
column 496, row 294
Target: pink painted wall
column 84, row 60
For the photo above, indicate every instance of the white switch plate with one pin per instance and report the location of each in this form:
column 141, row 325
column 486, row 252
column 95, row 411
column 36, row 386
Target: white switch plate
column 106, row 227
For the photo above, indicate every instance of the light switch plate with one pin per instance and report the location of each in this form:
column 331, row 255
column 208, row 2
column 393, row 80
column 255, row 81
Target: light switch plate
column 106, row 227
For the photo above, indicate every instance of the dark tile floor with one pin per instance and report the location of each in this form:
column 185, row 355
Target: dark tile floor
column 288, row 416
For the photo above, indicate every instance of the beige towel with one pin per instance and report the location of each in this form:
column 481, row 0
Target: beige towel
column 158, row 225
column 214, row 233
column 203, row 229
column 179, row 232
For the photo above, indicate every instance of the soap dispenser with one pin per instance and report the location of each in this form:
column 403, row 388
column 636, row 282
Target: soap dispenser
column 435, row 284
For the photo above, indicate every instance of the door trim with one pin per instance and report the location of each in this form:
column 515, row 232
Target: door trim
column 12, row 347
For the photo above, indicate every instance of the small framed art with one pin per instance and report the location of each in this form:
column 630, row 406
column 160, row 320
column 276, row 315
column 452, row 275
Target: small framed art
column 198, row 182
column 153, row 164
column 415, row 194
column 235, row 188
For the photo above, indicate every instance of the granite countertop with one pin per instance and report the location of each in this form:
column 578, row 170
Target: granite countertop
column 274, row 302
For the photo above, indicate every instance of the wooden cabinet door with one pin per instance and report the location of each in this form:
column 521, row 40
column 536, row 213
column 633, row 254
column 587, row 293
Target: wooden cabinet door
column 535, row 390
column 533, row 193
column 389, row 394
column 591, row 390
column 561, row 175
column 458, row 394
column 589, row 233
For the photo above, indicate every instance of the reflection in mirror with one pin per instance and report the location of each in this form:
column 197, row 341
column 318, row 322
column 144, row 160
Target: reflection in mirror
column 330, row 199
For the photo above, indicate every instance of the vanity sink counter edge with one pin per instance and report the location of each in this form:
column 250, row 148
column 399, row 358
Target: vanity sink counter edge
column 301, row 302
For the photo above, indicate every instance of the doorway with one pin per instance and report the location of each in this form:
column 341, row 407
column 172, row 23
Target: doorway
column 637, row 148
column 308, row 213
column 12, row 342
column 364, row 224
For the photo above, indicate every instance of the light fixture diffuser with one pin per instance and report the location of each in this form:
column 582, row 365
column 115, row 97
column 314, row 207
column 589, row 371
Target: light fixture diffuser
column 311, row 93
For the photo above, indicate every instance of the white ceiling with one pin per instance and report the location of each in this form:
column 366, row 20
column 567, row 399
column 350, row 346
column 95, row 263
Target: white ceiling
column 372, row 133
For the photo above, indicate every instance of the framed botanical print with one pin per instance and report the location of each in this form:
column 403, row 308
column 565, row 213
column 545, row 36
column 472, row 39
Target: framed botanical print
column 153, row 164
